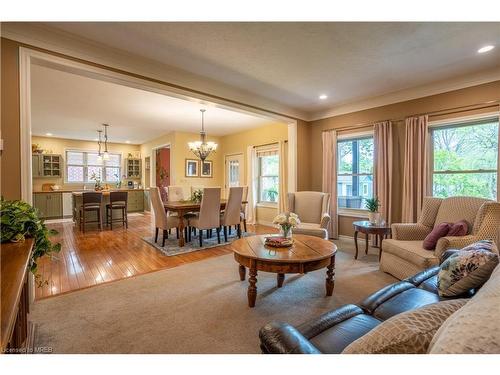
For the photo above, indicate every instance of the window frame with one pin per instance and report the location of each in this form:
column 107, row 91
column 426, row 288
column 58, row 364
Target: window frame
column 455, row 123
column 85, row 166
column 260, row 202
column 348, row 211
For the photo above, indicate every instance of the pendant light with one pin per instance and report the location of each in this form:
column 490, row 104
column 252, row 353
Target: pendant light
column 105, row 154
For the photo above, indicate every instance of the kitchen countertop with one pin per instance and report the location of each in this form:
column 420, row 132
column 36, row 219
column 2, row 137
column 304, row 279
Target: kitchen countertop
column 79, row 191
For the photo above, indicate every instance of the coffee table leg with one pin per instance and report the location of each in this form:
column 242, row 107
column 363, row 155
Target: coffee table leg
column 281, row 278
column 252, row 288
column 356, row 243
column 242, row 270
column 330, row 277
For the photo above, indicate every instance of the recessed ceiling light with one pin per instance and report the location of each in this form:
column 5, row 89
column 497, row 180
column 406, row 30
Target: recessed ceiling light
column 48, row 134
column 127, row 141
column 485, row 49
column 96, row 139
column 323, row 96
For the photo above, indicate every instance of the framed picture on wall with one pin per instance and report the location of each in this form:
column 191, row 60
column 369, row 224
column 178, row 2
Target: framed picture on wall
column 192, row 168
column 206, row 168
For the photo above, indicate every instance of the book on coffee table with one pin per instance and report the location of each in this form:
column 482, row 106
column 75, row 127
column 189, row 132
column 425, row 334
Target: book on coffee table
column 278, row 241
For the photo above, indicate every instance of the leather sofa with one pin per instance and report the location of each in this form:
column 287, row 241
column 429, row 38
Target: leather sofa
column 333, row 331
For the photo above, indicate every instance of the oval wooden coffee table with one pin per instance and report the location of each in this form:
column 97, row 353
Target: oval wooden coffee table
column 307, row 254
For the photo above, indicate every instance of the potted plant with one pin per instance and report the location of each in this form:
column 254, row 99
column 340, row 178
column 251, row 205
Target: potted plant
column 97, row 179
column 372, row 205
column 286, row 222
column 20, row 221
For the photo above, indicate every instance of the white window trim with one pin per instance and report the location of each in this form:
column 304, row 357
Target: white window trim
column 85, row 166
column 435, row 125
column 356, row 212
column 261, row 203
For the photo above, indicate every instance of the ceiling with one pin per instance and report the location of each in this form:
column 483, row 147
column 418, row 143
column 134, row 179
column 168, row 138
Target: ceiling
column 293, row 63
column 73, row 106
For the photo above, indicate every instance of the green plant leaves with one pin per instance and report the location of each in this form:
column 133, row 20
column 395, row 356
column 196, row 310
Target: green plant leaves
column 19, row 220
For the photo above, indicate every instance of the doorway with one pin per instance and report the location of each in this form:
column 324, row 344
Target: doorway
column 234, row 172
column 162, row 170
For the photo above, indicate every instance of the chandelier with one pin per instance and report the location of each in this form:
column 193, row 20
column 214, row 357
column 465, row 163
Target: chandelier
column 202, row 148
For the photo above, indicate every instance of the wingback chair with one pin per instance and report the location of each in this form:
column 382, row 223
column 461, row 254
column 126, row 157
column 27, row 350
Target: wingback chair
column 404, row 255
column 312, row 208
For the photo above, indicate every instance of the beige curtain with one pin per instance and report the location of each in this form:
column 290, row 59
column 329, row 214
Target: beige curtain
column 330, row 177
column 415, row 167
column 283, row 177
column 382, row 134
column 251, row 213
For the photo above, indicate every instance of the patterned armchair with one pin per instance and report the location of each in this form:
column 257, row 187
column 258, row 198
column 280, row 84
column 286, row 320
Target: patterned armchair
column 404, row 255
column 312, row 208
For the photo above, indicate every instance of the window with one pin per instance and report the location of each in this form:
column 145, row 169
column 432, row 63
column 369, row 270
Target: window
column 354, row 172
column 465, row 159
column 81, row 166
column 268, row 165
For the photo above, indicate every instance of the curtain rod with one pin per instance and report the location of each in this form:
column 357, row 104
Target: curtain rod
column 269, row 144
column 441, row 112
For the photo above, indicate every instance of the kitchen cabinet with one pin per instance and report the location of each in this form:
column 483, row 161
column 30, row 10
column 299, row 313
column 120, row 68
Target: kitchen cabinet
column 133, row 166
column 46, row 165
column 49, row 205
column 135, row 202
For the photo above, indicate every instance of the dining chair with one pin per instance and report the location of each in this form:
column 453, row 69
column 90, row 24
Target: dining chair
column 91, row 202
column 162, row 220
column 209, row 216
column 232, row 213
column 243, row 214
column 174, row 193
column 117, row 201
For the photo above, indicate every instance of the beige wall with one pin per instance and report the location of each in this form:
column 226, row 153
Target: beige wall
column 303, row 156
column 238, row 144
column 54, row 145
column 453, row 99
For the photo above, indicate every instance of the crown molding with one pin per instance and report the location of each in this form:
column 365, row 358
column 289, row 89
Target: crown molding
column 59, row 41
column 410, row 94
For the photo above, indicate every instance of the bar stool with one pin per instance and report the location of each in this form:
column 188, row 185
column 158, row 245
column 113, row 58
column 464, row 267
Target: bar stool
column 91, row 202
column 117, row 201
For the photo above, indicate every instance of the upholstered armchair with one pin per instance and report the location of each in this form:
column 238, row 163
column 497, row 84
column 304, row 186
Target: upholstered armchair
column 404, row 255
column 312, row 208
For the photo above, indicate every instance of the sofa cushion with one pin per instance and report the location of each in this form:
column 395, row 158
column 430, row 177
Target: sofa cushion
column 475, row 328
column 407, row 333
column 460, row 228
column 411, row 251
column 466, row 269
column 336, row 338
column 440, row 230
column 410, row 299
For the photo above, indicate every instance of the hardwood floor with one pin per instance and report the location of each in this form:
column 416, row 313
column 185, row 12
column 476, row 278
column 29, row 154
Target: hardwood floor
column 97, row 257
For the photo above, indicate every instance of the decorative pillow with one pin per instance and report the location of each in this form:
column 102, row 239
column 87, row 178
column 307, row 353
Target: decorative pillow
column 460, row 228
column 410, row 332
column 440, row 230
column 467, row 269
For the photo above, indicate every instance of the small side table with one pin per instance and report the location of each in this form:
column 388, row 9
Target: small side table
column 380, row 231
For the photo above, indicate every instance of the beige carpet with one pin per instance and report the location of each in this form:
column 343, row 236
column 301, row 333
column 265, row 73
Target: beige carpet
column 196, row 308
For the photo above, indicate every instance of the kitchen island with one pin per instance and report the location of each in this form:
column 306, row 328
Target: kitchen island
column 135, row 203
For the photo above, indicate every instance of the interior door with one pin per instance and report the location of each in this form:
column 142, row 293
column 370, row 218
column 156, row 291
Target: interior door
column 234, row 172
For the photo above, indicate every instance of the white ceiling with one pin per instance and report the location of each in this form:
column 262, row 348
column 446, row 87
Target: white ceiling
column 292, row 63
column 73, row 106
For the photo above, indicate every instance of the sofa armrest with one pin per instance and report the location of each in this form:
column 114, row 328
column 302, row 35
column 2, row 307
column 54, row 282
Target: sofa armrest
column 452, row 242
column 325, row 221
column 410, row 232
column 370, row 304
column 282, row 338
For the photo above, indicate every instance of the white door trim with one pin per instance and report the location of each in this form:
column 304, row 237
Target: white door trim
column 29, row 56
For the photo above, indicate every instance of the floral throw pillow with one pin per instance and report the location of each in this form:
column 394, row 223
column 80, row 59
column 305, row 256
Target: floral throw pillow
column 467, row 269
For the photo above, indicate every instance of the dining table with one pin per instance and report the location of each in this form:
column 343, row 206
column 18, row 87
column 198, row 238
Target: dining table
column 184, row 207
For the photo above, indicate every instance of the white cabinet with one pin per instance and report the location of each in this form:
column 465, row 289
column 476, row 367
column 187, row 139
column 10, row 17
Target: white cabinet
column 67, row 200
